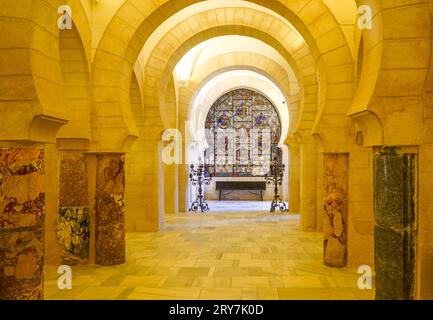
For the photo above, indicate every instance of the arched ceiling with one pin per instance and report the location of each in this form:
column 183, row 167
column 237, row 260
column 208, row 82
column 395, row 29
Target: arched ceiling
column 225, row 45
column 195, row 9
column 101, row 12
column 345, row 12
column 305, row 32
column 246, row 22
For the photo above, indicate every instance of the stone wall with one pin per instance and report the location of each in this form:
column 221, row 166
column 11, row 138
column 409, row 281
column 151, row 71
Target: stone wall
column 361, row 216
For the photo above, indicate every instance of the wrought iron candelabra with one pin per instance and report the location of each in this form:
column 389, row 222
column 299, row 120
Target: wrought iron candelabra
column 276, row 178
column 199, row 177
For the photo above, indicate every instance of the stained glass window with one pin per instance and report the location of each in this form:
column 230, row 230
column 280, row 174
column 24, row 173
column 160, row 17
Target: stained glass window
column 243, row 130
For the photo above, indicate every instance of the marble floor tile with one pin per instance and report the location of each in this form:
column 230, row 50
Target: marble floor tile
column 242, row 254
column 143, row 281
column 249, row 293
column 105, row 293
column 267, row 294
column 250, row 282
column 221, row 294
column 212, row 282
column 144, row 293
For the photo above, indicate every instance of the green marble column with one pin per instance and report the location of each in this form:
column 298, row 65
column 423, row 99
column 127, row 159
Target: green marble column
column 110, row 209
column 22, row 221
column 394, row 235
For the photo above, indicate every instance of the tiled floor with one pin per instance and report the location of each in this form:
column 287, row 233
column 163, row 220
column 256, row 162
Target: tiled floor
column 239, row 255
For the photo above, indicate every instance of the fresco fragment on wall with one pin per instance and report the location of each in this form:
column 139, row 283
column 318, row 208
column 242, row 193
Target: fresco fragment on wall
column 22, row 218
column 336, row 173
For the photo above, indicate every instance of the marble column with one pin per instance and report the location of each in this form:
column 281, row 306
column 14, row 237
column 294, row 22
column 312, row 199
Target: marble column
column 73, row 220
column 335, row 191
column 308, row 186
column 22, row 220
column 110, row 209
column 395, row 232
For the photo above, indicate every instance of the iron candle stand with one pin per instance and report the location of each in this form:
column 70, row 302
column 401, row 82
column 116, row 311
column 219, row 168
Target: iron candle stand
column 276, row 178
column 199, row 177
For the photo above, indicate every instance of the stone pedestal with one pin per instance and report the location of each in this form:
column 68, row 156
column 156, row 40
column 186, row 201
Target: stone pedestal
column 308, row 205
column 110, row 209
column 22, row 219
column 394, row 234
column 335, row 189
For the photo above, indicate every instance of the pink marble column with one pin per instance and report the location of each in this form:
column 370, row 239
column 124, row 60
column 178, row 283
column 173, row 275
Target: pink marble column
column 335, row 190
column 22, row 219
column 110, row 209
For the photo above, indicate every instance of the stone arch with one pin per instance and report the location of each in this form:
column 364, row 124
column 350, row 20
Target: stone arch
column 120, row 46
column 359, row 61
column 160, row 76
column 81, row 23
column 134, row 181
column 35, row 42
column 235, row 61
column 395, row 69
column 306, row 76
column 75, row 75
column 141, row 30
column 214, row 67
column 37, row 92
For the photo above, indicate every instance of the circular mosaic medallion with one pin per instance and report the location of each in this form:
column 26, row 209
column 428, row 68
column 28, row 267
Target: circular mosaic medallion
column 224, row 121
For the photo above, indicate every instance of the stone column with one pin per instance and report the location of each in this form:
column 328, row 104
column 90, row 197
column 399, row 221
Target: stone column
column 335, row 191
column 308, row 205
column 22, row 222
column 73, row 220
column 294, row 175
column 394, row 234
column 110, row 209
